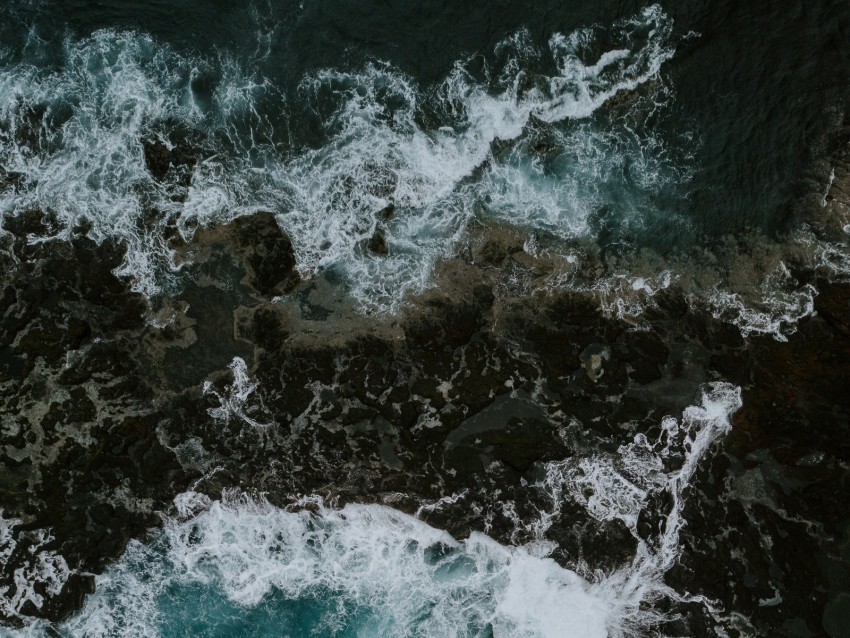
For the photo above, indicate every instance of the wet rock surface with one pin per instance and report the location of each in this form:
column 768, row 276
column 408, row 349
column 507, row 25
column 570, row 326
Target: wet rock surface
column 78, row 416
column 164, row 156
column 458, row 410
column 768, row 531
column 468, row 396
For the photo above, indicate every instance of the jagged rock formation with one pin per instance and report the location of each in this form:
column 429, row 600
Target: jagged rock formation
column 469, row 393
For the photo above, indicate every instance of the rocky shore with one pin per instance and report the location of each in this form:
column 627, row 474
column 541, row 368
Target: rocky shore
column 248, row 376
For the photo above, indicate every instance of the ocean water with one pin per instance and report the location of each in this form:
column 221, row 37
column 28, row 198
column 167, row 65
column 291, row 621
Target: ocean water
column 648, row 137
column 473, row 120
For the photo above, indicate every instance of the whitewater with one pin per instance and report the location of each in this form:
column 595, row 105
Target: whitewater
column 575, row 143
column 312, row 568
column 423, row 166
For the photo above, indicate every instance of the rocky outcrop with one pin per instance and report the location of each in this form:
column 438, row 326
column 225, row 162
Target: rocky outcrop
column 85, row 382
column 254, row 243
column 162, row 158
column 81, row 467
column 485, row 379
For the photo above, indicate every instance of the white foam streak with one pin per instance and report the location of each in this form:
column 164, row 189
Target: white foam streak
column 392, row 574
column 382, row 155
column 411, row 579
column 627, row 296
column 237, row 400
column 76, row 136
column 579, row 89
column 780, row 304
column 618, row 487
column 40, row 570
column 511, row 146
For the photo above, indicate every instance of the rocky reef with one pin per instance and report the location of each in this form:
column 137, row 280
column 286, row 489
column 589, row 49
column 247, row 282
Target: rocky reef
column 244, row 375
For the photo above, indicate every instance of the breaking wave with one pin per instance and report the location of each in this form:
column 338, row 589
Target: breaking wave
column 572, row 140
column 369, row 570
column 417, row 162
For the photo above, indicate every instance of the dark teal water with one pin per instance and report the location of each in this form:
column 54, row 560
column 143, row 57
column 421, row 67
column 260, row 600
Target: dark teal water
column 754, row 84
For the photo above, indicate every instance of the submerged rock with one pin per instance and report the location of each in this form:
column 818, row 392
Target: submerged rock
column 162, row 158
column 10, row 179
column 254, row 243
column 378, row 243
column 387, row 213
column 267, row 252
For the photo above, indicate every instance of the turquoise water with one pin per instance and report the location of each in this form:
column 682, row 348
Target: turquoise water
column 197, row 610
column 243, row 567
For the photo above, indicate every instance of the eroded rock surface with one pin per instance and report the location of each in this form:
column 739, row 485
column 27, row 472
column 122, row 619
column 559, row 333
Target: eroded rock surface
column 456, row 410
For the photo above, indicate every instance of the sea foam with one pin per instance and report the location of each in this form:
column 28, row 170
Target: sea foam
column 496, row 141
column 41, row 570
column 369, row 570
column 390, row 574
column 75, row 129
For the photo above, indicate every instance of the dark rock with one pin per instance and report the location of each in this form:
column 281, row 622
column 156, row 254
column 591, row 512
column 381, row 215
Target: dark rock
column 67, row 317
column 157, row 158
column 267, row 252
column 176, row 158
column 378, row 243
column 10, row 179
column 833, row 304
column 472, row 391
column 387, row 213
